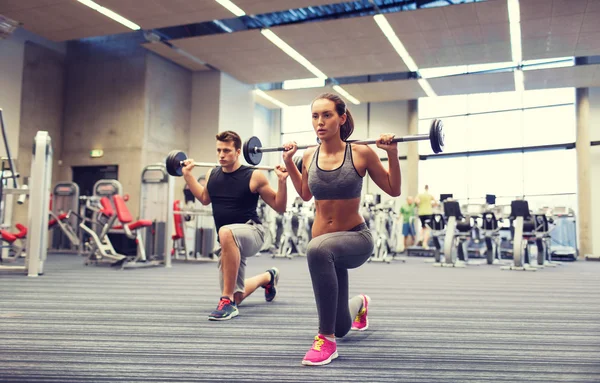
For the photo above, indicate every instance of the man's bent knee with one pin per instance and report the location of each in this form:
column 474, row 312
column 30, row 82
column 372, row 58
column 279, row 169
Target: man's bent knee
column 226, row 237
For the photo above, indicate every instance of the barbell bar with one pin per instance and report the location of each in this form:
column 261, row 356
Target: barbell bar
column 175, row 159
column 253, row 149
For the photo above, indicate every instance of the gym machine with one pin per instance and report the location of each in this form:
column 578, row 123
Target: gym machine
column 457, row 234
column 65, row 201
column 194, row 239
column 39, row 194
column 156, row 204
column 522, row 226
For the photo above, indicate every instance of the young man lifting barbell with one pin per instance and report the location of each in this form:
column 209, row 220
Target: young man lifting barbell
column 233, row 189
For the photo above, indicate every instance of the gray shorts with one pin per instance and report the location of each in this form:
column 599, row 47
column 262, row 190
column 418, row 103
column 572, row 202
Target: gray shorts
column 249, row 238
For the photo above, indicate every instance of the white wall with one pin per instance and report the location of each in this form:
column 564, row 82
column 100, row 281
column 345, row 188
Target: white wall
column 204, row 122
column 11, row 76
column 219, row 102
column 389, row 117
column 595, row 166
column 236, row 107
column 263, row 123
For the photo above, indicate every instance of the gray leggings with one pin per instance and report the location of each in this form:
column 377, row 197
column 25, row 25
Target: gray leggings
column 329, row 258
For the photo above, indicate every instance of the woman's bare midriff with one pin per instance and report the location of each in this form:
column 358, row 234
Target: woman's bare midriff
column 336, row 215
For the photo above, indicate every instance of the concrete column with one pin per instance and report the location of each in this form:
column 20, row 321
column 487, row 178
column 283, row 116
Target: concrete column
column 584, row 196
column 219, row 103
column 411, row 176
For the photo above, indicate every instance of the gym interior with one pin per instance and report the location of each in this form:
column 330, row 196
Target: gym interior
column 107, row 262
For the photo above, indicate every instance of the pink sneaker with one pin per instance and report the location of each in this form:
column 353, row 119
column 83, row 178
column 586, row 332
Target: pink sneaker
column 323, row 351
column 361, row 322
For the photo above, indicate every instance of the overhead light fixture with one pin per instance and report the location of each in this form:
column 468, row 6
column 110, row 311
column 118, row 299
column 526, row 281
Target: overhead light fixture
column 465, row 69
column 387, row 30
column 222, row 25
column 292, row 53
column 561, row 62
column 110, row 14
column 189, row 56
column 514, row 18
column 303, row 83
column 7, row 26
column 519, row 81
column 426, row 87
column 347, row 95
column 275, row 101
column 279, row 43
column 231, row 7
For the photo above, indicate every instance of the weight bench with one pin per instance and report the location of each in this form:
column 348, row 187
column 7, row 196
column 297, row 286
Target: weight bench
column 130, row 229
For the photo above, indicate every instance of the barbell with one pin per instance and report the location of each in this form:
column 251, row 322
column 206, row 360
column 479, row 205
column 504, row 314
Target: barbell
column 175, row 159
column 253, row 149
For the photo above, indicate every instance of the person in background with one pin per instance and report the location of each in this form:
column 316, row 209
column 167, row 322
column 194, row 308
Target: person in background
column 407, row 211
column 425, row 202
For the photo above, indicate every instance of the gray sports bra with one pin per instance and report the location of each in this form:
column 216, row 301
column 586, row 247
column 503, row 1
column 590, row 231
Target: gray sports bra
column 341, row 183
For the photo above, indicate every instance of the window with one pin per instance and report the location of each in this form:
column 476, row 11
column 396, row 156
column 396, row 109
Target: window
column 550, row 172
column 497, row 121
column 494, row 131
column 296, row 119
column 501, row 120
column 444, row 176
column 546, row 126
column 432, row 107
column 500, row 174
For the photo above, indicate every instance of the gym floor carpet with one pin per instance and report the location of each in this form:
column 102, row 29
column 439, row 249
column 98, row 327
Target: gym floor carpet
column 427, row 324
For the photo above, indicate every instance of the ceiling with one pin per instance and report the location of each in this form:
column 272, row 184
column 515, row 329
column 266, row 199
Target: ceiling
column 342, row 39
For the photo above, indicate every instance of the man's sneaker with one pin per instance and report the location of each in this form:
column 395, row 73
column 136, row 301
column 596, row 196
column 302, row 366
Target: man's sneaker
column 225, row 310
column 323, row 351
column 361, row 322
column 271, row 287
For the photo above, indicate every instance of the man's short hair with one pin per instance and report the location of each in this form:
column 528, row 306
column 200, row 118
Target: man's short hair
column 230, row 136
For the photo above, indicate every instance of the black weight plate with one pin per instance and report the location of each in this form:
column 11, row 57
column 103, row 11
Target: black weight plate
column 251, row 156
column 437, row 136
column 173, row 163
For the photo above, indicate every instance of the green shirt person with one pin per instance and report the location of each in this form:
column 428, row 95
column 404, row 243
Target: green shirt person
column 425, row 202
column 408, row 212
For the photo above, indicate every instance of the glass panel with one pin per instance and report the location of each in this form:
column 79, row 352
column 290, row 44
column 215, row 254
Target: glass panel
column 550, row 172
column 539, row 202
column 500, row 174
column 296, row 118
column 545, row 126
column 490, row 102
column 543, row 97
column 444, row 176
column 494, row 130
column 432, row 107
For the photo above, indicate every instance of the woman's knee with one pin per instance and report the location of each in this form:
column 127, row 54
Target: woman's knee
column 342, row 332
